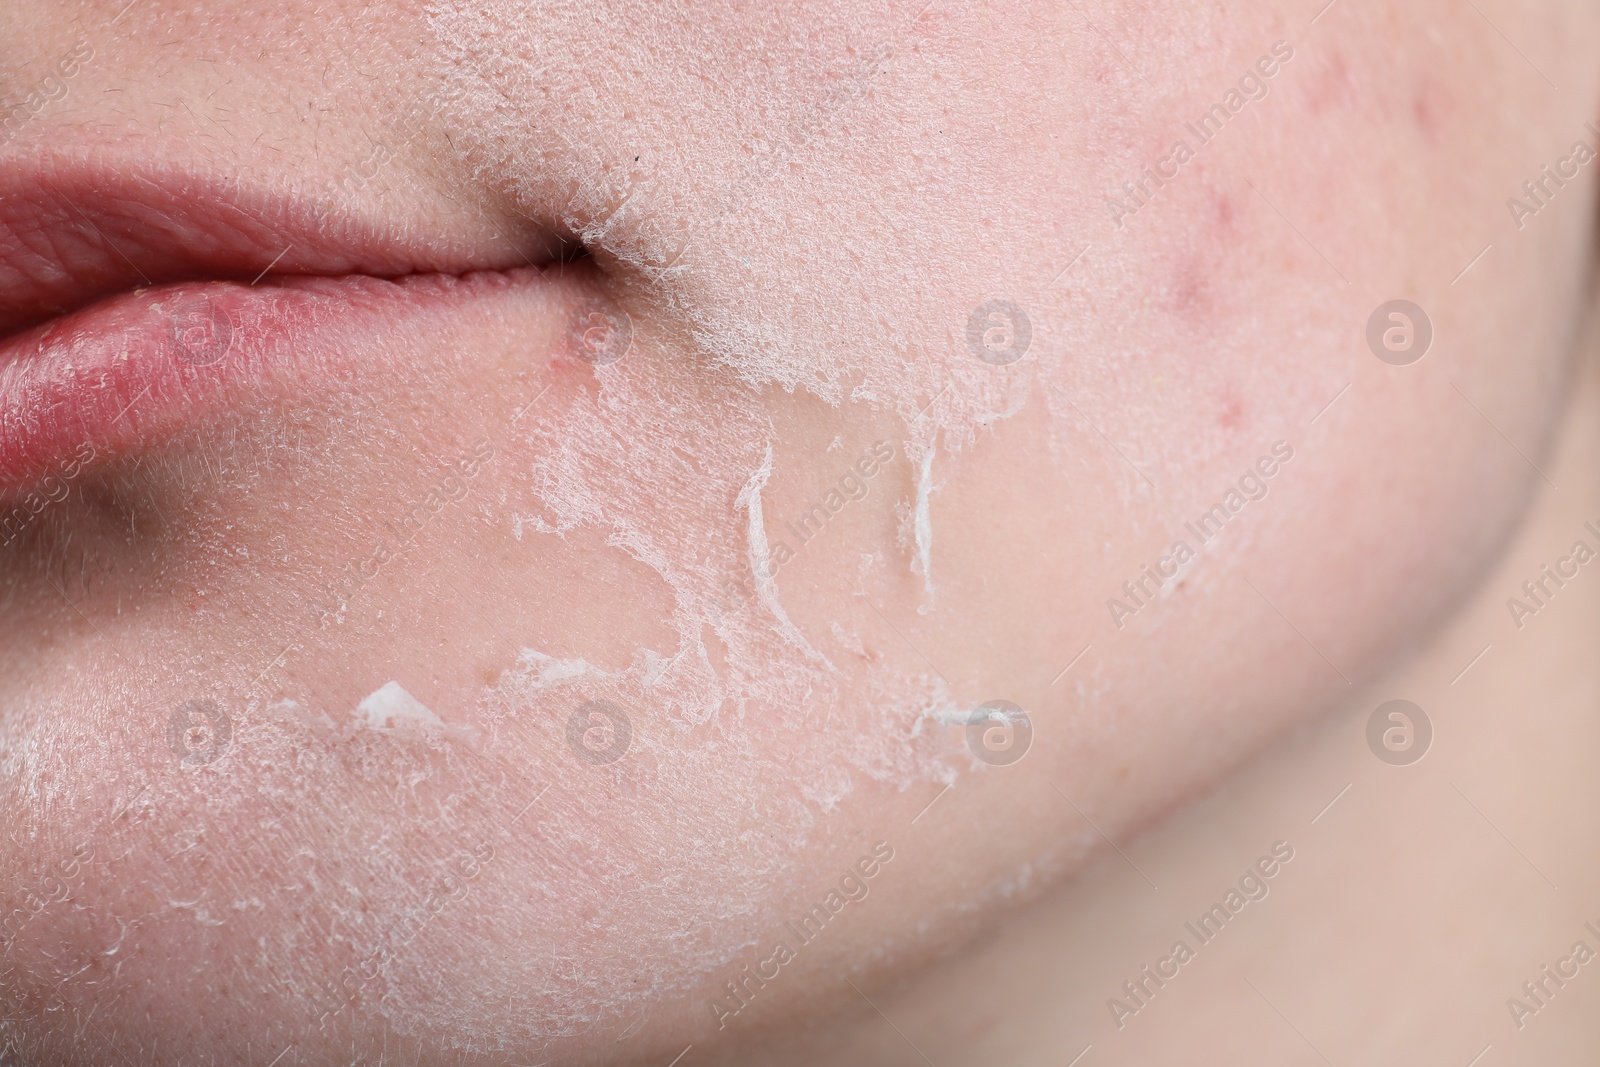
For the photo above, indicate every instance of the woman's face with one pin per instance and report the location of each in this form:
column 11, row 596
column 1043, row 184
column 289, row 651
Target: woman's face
column 511, row 506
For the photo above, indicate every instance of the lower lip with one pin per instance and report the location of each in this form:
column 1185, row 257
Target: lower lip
column 135, row 370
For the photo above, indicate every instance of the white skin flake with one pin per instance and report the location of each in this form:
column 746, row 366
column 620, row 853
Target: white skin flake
column 766, row 584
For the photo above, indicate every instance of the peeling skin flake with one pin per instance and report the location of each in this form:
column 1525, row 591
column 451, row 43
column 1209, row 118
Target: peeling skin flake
column 766, row 583
column 924, row 521
column 392, row 703
column 746, row 707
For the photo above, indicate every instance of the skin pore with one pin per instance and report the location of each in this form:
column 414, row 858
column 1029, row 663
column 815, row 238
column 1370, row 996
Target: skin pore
column 398, row 590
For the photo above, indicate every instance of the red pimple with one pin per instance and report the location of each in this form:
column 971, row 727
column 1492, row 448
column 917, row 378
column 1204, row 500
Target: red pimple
column 1223, row 205
column 1232, row 416
column 1427, row 106
column 1188, row 295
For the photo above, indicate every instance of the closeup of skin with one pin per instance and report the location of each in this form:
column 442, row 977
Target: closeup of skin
column 590, row 534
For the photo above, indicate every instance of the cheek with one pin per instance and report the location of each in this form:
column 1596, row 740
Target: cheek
column 1238, row 311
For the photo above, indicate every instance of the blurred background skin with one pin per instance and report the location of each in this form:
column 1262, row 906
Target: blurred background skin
column 912, row 162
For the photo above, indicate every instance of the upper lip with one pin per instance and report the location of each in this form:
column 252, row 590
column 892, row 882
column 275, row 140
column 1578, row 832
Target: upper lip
column 76, row 230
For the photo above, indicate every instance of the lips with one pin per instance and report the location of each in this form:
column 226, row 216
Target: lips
column 135, row 305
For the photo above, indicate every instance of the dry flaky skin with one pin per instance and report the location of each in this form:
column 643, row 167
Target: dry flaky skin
column 798, row 210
